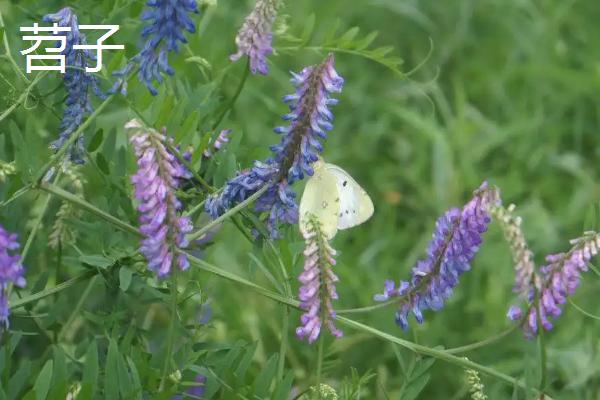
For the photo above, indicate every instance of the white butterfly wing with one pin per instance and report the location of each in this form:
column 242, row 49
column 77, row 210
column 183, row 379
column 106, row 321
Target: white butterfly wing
column 355, row 204
column 321, row 199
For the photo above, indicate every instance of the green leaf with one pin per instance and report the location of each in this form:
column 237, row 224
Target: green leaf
column 135, row 379
column 264, row 379
column 42, row 383
column 244, row 363
column 125, row 276
column 111, row 376
column 102, row 164
column 19, row 379
column 59, row 375
column 415, row 387
column 283, row 388
column 96, row 261
column 90, row 372
column 96, row 141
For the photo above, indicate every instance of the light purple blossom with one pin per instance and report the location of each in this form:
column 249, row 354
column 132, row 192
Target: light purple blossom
column 456, row 240
column 11, row 271
column 255, row 36
column 219, row 143
column 557, row 280
column 77, row 82
column 310, row 119
column 155, row 183
column 318, row 285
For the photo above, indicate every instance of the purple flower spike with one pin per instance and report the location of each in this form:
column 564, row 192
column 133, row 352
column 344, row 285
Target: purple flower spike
column 77, row 82
column 11, row 271
column 168, row 21
column 155, row 183
column 561, row 275
column 300, row 146
column 455, row 242
column 254, row 37
column 318, row 285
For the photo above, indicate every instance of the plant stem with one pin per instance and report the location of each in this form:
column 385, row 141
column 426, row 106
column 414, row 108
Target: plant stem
column 320, row 363
column 16, row 195
column 171, row 334
column 23, row 96
column 483, row 343
column 63, row 194
column 48, row 292
column 367, row 308
column 9, row 53
column 78, row 307
column 231, row 102
column 37, row 223
column 232, row 211
column 543, row 358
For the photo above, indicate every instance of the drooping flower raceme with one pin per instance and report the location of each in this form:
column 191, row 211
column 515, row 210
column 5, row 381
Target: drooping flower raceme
column 11, row 271
column 155, row 183
column 558, row 279
column 300, row 145
column 456, row 240
column 526, row 277
column 77, row 82
column 318, row 284
column 168, row 22
column 255, row 36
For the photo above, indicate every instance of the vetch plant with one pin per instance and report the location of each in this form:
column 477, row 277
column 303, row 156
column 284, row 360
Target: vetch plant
column 255, row 36
column 310, row 119
column 78, row 84
column 456, row 240
column 155, row 183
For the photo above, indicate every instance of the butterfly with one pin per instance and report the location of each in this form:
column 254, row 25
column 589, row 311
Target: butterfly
column 335, row 199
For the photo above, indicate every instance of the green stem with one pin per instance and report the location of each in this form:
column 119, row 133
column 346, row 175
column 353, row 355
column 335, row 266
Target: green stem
column 234, row 98
column 581, row 310
column 543, row 359
column 63, row 194
column 321, row 345
column 78, row 307
column 171, row 334
column 49, row 292
column 232, row 211
column 37, row 224
column 9, row 53
column 367, row 308
column 16, row 195
column 483, row 343
column 23, row 96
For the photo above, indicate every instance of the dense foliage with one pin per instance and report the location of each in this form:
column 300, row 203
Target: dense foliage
column 164, row 260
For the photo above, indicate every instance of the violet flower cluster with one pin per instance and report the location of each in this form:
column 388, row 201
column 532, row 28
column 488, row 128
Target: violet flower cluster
column 155, row 183
column 456, row 240
column 219, row 143
column 168, row 22
column 255, row 36
column 310, row 119
column 557, row 280
column 318, row 285
column 11, row 271
column 77, row 82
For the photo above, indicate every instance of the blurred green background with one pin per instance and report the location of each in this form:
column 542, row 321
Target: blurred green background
column 504, row 91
